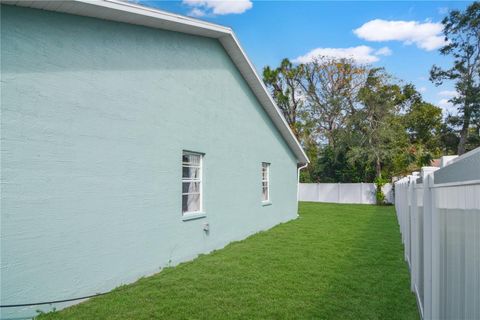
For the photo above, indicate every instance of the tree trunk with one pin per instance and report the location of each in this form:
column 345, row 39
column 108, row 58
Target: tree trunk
column 378, row 168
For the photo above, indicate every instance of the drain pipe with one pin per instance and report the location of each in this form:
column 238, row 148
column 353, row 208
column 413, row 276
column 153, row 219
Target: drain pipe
column 298, row 178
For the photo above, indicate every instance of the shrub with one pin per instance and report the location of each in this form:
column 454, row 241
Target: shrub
column 379, row 196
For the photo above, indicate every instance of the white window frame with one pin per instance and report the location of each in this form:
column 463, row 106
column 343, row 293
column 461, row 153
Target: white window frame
column 199, row 180
column 266, row 180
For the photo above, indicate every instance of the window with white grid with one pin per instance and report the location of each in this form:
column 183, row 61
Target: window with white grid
column 191, row 182
column 265, row 182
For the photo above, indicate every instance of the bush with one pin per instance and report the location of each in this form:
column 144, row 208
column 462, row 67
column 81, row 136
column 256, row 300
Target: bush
column 379, row 196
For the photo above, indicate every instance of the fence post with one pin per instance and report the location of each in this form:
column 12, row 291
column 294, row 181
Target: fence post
column 407, row 224
column 427, row 176
column 435, row 270
column 410, row 223
column 413, row 235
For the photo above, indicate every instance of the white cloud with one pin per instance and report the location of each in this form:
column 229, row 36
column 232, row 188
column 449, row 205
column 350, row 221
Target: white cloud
column 426, row 35
column 196, row 12
column 447, row 106
column 448, row 93
column 422, row 89
column 217, row 7
column 361, row 54
column 445, row 103
column 385, row 51
column 443, row 10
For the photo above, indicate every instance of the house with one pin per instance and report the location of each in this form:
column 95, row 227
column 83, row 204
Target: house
column 132, row 139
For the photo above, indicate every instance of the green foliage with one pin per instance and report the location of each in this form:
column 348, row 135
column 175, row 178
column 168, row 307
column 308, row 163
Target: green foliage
column 377, row 124
column 357, row 123
column 423, row 122
column 379, row 195
column 333, row 262
column 461, row 30
column 334, row 165
column 450, row 137
column 330, row 87
column 284, row 84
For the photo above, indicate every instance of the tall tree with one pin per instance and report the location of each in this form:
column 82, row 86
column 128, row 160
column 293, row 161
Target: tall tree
column 423, row 122
column 448, row 134
column 462, row 35
column 356, row 123
column 377, row 127
column 284, row 84
column 331, row 87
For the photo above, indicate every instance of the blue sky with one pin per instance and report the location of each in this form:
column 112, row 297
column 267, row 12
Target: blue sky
column 402, row 36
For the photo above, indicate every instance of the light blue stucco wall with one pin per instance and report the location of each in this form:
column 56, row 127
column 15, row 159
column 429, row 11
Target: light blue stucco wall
column 94, row 118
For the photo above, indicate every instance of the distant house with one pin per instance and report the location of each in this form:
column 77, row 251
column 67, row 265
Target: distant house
column 435, row 163
column 132, row 139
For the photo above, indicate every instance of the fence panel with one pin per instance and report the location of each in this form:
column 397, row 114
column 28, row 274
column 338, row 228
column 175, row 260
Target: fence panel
column 308, row 191
column 439, row 216
column 387, row 190
column 350, row 192
column 328, row 192
column 342, row 192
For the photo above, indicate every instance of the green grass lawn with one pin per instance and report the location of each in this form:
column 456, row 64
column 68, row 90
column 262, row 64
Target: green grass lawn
column 333, row 262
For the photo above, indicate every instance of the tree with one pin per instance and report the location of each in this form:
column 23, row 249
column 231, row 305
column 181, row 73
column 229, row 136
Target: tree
column 423, row 121
column 462, row 35
column 449, row 135
column 357, row 123
column 377, row 126
column 331, row 87
column 334, row 165
column 284, row 84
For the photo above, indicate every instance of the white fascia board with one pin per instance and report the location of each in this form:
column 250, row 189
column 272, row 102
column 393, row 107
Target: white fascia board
column 120, row 11
column 127, row 12
column 239, row 57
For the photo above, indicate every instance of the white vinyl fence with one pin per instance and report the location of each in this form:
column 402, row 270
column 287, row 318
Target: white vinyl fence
column 342, row 192
column 439, row 215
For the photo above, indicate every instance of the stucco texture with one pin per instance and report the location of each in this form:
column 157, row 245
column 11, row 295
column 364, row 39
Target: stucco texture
column 94, row 118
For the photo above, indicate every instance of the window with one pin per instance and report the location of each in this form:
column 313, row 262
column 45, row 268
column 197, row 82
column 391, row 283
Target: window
column 191, row 182
column 265, row 182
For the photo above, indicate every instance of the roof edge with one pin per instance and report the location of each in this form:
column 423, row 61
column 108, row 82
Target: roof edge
column 127, row 12
column 266, row 100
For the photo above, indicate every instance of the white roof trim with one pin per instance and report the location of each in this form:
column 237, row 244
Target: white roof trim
column 120, row 11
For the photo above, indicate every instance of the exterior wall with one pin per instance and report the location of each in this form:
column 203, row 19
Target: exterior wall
column 95, row 116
